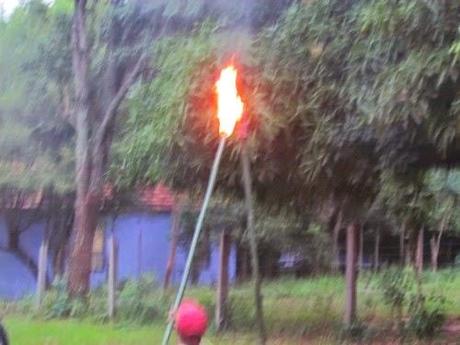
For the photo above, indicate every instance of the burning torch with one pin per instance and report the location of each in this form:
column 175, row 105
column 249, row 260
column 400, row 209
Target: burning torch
column 229, row 112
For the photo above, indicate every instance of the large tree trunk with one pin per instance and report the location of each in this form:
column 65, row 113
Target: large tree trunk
column 94, row 122
column 86, row 207
column 351, row 275
column 81, row 254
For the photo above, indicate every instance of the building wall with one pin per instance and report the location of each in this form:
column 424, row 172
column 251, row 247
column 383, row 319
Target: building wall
column 15, row 279
column 143, row 249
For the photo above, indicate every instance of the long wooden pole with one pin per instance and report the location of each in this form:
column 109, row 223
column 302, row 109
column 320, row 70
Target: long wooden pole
column 351, row 275
column 42, row 271
column 175, row 228
column 112, row 276
column 253, row 245
column 196, row 236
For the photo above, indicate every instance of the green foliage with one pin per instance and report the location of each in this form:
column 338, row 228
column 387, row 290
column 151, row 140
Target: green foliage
column 135, row 303
column 294, row 308
column 396, row 283
column 34, row 142
column 157, row 108
column 57, row 303
column 427, row 315
column 425, row 312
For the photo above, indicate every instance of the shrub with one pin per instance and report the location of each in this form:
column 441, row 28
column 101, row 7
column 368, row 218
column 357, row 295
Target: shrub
column 426, row 315
column 241, row 312
column 396, row 285
column 138, row 304
column 56, row 302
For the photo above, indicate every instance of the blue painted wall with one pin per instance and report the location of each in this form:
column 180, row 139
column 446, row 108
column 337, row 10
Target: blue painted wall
column 15, row 279
column 134, row 259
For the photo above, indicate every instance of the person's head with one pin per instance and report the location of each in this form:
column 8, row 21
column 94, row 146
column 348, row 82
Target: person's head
column 191, row 322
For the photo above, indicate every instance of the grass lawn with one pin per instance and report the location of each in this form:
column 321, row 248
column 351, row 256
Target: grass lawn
column 298, row 312
column 23, row 331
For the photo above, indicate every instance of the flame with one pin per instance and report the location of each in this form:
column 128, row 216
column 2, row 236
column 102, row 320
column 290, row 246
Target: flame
column 229, row 103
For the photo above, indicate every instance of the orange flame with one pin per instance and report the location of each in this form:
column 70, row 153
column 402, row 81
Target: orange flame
column 229, row 103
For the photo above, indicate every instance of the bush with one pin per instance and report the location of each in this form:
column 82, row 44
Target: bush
column 138, row 304
column 426, row 315
column 241, row 312
column 56, row 302
column 396, row 284
column 357, row 332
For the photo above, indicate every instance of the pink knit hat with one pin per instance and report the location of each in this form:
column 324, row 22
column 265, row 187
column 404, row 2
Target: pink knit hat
column 191, row 319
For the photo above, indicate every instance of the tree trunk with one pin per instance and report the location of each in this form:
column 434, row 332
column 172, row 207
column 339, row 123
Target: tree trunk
column 86, row 204
column 243, row 269
column 402, row 239
column 335, row 243
column 411, row 250
column 377, row 251
column 253, row 246
column 81, row 254
column 434, row 254
column 223, row 279
column 361, row 248
column 351, row 275
column 94, row 122
column 175, row 228
column 435, row 242
column 419, row 253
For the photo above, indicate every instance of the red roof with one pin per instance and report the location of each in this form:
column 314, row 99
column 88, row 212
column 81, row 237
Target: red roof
column 25, row 201
column 158, row 198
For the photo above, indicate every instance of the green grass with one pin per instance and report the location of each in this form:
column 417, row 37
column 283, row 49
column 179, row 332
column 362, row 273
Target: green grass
column 297, row 312
column 23, row 331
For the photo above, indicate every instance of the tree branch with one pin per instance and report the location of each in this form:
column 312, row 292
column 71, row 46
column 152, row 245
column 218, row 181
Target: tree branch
column 111, row 110
column 444, row 224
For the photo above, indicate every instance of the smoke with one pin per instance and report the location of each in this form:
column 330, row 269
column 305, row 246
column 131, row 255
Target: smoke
column 250, row 14
column 238, row 20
